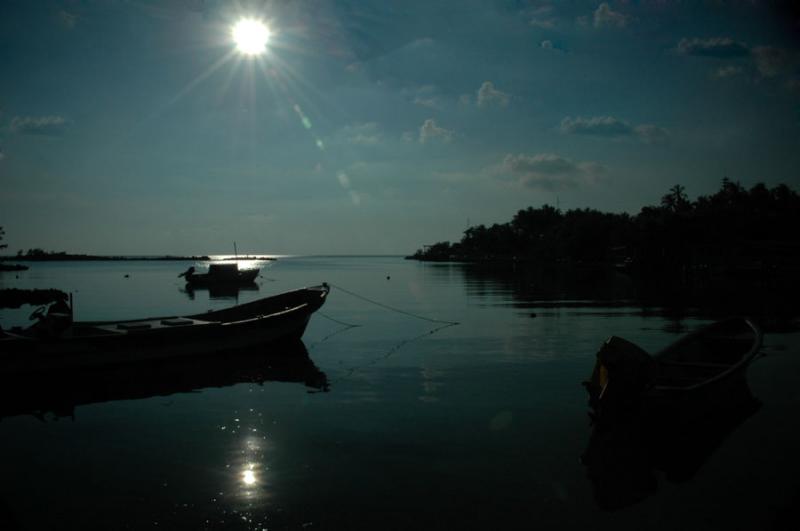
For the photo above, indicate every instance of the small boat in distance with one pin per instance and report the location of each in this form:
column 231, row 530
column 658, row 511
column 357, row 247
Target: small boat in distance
column 55, row 342
column 701, row 365
column 220, row 275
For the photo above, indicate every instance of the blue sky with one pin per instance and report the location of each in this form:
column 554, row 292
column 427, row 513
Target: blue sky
column 135, row 127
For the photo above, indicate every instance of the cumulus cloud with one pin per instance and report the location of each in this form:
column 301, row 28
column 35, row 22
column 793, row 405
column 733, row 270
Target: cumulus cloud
column 365, row 134
column 68, row 20
column 609, row 126
column 548, row 170
column 719, row 47
column 597, row 125
column 343, row 179
column 488, row 95
column 39, row 125
column 542, row 17
column 771, row 61
column 429, row 131
column 424, row 42
column 726, row 71
column 426, row 96
column 605, row 17
column 651, row 134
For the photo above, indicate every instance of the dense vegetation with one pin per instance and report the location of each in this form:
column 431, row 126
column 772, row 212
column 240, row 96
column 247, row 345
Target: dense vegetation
column 732, row 226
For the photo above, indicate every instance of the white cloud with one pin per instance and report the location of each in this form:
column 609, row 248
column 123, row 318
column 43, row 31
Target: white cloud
column 719, row 47
column 424, row 42
column 430, row 131
column 39, row 125
column 488, row 95
column 651, row 134
column 542, row 17
column 726, row 71
column 426, row 96
column 365, row 134
column 67, row 19
column 605, row 17
column 609, row 126
column 597, row 125
column 344, row 180
column 548, row 171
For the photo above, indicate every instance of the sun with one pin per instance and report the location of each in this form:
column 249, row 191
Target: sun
column 251, row 36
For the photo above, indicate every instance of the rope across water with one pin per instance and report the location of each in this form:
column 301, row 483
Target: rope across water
column 391, row 308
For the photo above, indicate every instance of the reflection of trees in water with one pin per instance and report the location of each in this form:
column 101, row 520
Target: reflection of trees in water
column 734, row 251
column 59, row 393
column 623, row 456
column 526, row 283
column 768, row 296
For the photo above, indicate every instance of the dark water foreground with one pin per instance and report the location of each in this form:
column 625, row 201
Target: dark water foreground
column 399, row 423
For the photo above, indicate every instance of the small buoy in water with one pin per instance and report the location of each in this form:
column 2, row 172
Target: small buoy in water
column 533, row 314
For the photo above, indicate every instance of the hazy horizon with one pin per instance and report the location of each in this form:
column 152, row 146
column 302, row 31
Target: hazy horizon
column 371, row 128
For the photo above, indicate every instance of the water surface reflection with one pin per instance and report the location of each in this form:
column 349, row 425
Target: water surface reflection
column 59, row 393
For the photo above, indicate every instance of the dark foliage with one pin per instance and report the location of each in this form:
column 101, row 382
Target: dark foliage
column 733, row 226
column 14, row 298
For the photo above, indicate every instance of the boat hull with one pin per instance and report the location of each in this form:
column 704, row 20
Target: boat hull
column 689, row 378
column 282, row 318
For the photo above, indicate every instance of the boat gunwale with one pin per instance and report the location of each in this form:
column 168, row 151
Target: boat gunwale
column 106, row 327
column 745, row 359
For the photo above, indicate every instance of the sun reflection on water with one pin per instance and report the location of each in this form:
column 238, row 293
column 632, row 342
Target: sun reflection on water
column 249, row 476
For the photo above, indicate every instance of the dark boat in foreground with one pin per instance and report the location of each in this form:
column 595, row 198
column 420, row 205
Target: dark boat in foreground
column 699, row 365
column 220, row 275
column 55, row 342
column 666, row 412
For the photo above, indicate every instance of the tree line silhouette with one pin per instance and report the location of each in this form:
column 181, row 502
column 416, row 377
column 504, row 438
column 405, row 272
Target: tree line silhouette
column 733, row 227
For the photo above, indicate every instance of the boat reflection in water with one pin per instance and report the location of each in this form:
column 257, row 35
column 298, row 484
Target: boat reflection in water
column 226, row 292
column 59, row 392
column 624, row 453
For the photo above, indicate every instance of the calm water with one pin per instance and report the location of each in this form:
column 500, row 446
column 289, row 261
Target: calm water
column 398, row 423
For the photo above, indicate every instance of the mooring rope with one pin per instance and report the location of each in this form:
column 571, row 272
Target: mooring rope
column 391, row 308
column 328, row 317
column 388, row 353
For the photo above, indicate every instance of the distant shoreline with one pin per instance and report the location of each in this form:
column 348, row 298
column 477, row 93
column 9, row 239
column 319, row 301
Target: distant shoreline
column 65, row 257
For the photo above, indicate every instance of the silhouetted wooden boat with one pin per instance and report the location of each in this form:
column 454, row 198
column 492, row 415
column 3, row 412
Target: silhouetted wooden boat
column 699, row 365
column 220, row 275
column 55, row 342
